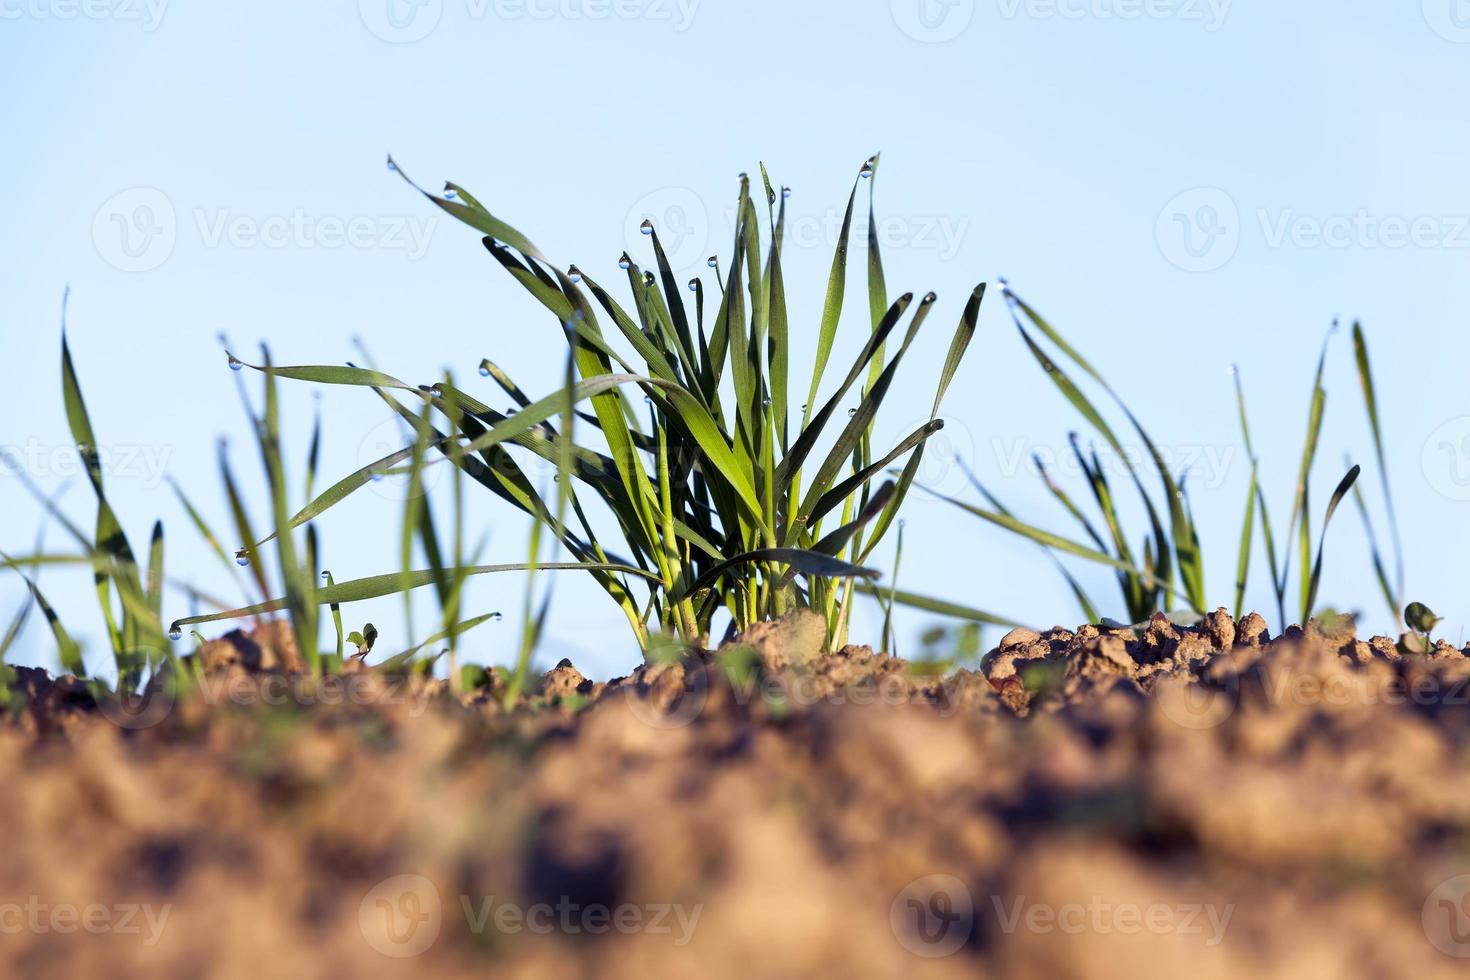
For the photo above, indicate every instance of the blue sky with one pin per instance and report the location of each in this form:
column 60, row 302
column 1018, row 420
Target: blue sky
column 1178, row 184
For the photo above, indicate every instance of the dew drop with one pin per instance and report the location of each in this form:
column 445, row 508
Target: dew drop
column 235, row 363
column 175, row 632
column 375, row 475
column 867, row 170
column 496, row 617
column 450, row 193
column 693, row 285
column 241, row 558
column 646, row 227
column 713, row 261
column 574, row 274
column 625, row 262
column 851, row 412
column 785, row 192
column 648, row 278
column 928, row 298
column 484, row 369
column 392, row 166
column 1005, row 284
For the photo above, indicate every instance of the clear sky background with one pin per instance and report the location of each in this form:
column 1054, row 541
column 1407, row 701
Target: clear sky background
column 1178, row 184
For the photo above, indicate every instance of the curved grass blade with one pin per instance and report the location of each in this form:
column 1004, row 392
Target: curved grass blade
column 939, row 607
column 378, row 586
column 1316, row 579
column 1370, row 402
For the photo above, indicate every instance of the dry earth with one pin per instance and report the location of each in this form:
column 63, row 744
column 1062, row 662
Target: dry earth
column 1206, row 802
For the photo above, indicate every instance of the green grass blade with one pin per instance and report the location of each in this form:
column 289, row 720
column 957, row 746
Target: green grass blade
column 1370, row 402
column 378, row 586
column 937, row 606
column 1316, row 579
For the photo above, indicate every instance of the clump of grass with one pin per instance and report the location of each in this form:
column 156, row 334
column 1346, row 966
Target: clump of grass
column 725, row 495
column 1165, row 573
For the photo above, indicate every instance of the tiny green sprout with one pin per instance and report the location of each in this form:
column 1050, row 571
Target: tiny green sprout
column 364, row 640
column 1420, row 618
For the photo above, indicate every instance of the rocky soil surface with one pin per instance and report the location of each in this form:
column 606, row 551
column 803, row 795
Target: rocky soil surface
column 1209, row 802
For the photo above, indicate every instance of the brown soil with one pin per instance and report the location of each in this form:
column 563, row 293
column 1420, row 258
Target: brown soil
column 1203, row 802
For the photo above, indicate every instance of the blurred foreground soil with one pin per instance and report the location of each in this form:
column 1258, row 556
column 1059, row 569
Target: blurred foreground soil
column 1203, row 802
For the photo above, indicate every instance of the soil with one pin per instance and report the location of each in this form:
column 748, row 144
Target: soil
column 1204, row 801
